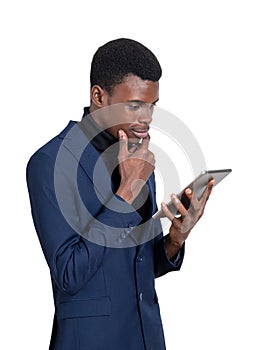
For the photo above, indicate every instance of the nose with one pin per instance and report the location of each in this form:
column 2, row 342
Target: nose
column 145, row 116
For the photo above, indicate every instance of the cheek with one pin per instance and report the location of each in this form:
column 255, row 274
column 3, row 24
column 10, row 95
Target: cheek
column 120, row 114
column 114, row 130
column 122, row 119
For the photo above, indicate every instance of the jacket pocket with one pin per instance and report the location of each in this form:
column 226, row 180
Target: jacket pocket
column 84, row 308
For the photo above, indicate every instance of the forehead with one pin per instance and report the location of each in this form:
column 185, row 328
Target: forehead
column 135, row 89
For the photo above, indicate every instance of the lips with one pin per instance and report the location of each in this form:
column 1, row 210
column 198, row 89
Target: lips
column 141, row 134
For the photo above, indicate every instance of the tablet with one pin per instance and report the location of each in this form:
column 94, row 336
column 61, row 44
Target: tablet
column 198, row 186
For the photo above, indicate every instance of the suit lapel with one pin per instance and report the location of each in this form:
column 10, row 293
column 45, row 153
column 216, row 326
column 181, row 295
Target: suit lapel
column 77, row 143
column 151, row 187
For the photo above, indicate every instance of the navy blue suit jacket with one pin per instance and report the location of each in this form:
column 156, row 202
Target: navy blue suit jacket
column 102, row 271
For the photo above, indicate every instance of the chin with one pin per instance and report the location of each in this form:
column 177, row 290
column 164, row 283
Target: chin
column 133, row 139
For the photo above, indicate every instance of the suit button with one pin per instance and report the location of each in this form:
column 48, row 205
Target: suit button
column 140, row 296
column 139, row 259
column 127, row 231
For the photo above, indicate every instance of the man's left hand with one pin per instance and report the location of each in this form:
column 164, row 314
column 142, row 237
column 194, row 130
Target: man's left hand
column 182, row 225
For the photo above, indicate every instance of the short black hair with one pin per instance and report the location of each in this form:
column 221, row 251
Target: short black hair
column 119, row 58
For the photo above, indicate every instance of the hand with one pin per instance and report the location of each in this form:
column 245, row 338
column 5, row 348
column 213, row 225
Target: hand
column 181, row 226
column 135, row 167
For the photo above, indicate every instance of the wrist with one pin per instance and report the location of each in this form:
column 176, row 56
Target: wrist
column 176, row 244
column 125, row 194
column 172, row 246
column 129, row 190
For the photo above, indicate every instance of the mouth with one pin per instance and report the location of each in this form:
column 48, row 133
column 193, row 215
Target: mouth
column 141, row 134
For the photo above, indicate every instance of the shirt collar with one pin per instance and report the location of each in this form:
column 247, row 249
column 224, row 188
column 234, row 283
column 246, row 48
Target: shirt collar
column 100, row 139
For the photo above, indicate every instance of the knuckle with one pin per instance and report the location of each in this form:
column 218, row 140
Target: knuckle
column 151, row 154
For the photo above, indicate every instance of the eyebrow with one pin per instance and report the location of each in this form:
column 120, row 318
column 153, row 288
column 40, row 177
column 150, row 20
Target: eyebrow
column 143, row 102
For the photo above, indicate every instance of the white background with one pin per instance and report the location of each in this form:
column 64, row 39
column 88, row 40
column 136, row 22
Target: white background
column 213, row 79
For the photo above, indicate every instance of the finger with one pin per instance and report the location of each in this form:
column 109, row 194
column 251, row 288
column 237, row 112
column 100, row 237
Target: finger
column 166, row 211
column 132, row 149
column 207, row 192
column 145, row 142
column 210, row 188
column 178, row 204
column 193, row 200
column 211, row 184
column 123, row 143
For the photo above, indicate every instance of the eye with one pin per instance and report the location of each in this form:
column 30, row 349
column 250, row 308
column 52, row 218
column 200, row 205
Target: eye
column 152, row 107
column 134, row 106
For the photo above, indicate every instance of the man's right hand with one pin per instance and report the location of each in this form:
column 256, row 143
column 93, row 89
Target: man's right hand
column 135, row 167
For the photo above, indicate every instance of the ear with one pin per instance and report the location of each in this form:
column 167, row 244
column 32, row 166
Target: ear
column 98, row 96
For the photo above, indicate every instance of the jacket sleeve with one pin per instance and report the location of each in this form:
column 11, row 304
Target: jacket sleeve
column 162, row 264
column 72, row 258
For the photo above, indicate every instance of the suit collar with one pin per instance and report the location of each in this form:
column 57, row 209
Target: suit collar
column 77, row 143
column 65, row 133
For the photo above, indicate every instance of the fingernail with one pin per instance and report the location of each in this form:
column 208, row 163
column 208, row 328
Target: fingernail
column 188, row 191
column 121, row 134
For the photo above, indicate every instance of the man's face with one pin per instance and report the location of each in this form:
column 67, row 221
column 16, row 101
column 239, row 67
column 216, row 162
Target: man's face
column 130, row 107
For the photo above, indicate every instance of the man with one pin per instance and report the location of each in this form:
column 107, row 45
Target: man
column 92, row 193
